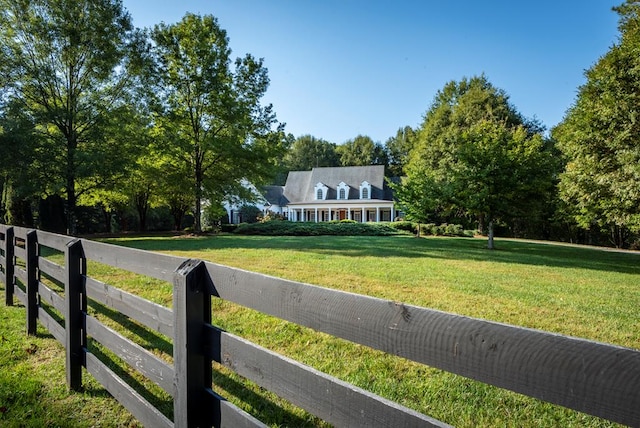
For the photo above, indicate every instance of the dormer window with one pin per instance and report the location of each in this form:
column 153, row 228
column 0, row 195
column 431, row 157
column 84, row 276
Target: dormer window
column 343, row 190
column 365, row 190
column 321, row 192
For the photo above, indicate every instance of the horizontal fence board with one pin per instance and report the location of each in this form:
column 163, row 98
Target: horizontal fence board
column 52, row 269
column 51, row 297
column 53, row 240
column 329, row 398
column 51, row 325
column 152, row 315
column 140, row 408
column 155, row 265
column 21, row 274
column 21, row 232
column 591, row 377
column 20, row 253
column 136, row 356
column 20, row 295
column 230, row 415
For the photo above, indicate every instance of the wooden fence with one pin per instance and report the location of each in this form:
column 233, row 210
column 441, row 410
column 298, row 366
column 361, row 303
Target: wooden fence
column 595, row 378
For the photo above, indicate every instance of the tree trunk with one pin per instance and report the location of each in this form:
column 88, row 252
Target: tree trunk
column 71, row 182
column 490, row 243
column 197, row 224
column 142, row 206
column 106, row 215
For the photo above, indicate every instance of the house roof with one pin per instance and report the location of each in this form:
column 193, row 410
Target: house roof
column 274, row 195
column 300, row 185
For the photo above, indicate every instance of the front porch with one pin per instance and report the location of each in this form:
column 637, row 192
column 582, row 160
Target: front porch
column 371, row 212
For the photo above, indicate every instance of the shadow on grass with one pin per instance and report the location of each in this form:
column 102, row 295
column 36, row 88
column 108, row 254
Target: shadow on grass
column 262, row 408
column 512, row 252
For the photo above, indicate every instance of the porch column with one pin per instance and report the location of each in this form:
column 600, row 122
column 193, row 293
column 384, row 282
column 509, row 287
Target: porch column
column 364, row 220
column 348, row 213
column 316, row 214
column 377, row 214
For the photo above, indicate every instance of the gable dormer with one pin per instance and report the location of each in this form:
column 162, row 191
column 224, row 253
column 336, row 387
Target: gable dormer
column 365, row 190
column 343, row 190
column 320, row 192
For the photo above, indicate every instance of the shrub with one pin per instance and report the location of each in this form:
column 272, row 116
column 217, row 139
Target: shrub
column 348, row 228
column 228, row 228
column 271, row 216
column 407, row 226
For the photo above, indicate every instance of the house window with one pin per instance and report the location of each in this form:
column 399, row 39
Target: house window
column 365, row 190
column 343, row 190
column 321, row 192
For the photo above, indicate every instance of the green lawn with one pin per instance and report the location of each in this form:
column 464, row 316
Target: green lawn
column 576, row 291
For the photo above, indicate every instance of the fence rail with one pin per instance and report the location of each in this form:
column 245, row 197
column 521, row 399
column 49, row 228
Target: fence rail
column 595, row 378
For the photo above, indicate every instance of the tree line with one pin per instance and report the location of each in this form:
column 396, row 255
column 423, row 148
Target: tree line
column 99, row 120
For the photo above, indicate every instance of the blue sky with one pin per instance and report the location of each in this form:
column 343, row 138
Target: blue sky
column 349, row 67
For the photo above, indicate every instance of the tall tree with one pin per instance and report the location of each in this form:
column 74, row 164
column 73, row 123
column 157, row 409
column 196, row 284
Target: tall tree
column 69, row 67
column 362, row 151
column 599, row 138
column 212, row 113
column 398, row 148
column 475, row 153
column 309, row 152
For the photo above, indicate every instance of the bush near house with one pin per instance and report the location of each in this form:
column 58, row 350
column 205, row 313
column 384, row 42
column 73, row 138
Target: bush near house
column 443, row 229
column 341, row 228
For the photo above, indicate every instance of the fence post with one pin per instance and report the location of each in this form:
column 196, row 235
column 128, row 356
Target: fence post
column 31, row 266
column 191, row 310
column 76, row 304
column 9, row 261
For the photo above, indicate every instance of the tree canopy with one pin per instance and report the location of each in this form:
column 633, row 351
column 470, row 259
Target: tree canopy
column 68, row 65
column 474, row 153
column 211, row 114
column 599, row 138
column 362, row 151
column 309, row 152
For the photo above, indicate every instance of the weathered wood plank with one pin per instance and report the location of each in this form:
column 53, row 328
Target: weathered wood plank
column 155, row 265
column 141, row 409
column 51, row 269
column 75, row 307
column 20, row 252
column 136, row 356
column 191, row 311
column 53, row 240
column 51, row 325
column 20, row 295
column 9, row 278
column 51, row 297
column 591, row 377
column 329, row 398
column 152, row 315
column 229, row 416
column 21, row 274
column 21, row 232
column 31, row 266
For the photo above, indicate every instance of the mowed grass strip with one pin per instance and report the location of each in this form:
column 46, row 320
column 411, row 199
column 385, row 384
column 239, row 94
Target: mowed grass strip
column 575, row 291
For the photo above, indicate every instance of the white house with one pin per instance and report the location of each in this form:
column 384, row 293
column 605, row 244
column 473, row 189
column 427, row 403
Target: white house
column 358, row 193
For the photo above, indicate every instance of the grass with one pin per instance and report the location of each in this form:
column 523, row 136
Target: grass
column 575, row 291
column 33, row 392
